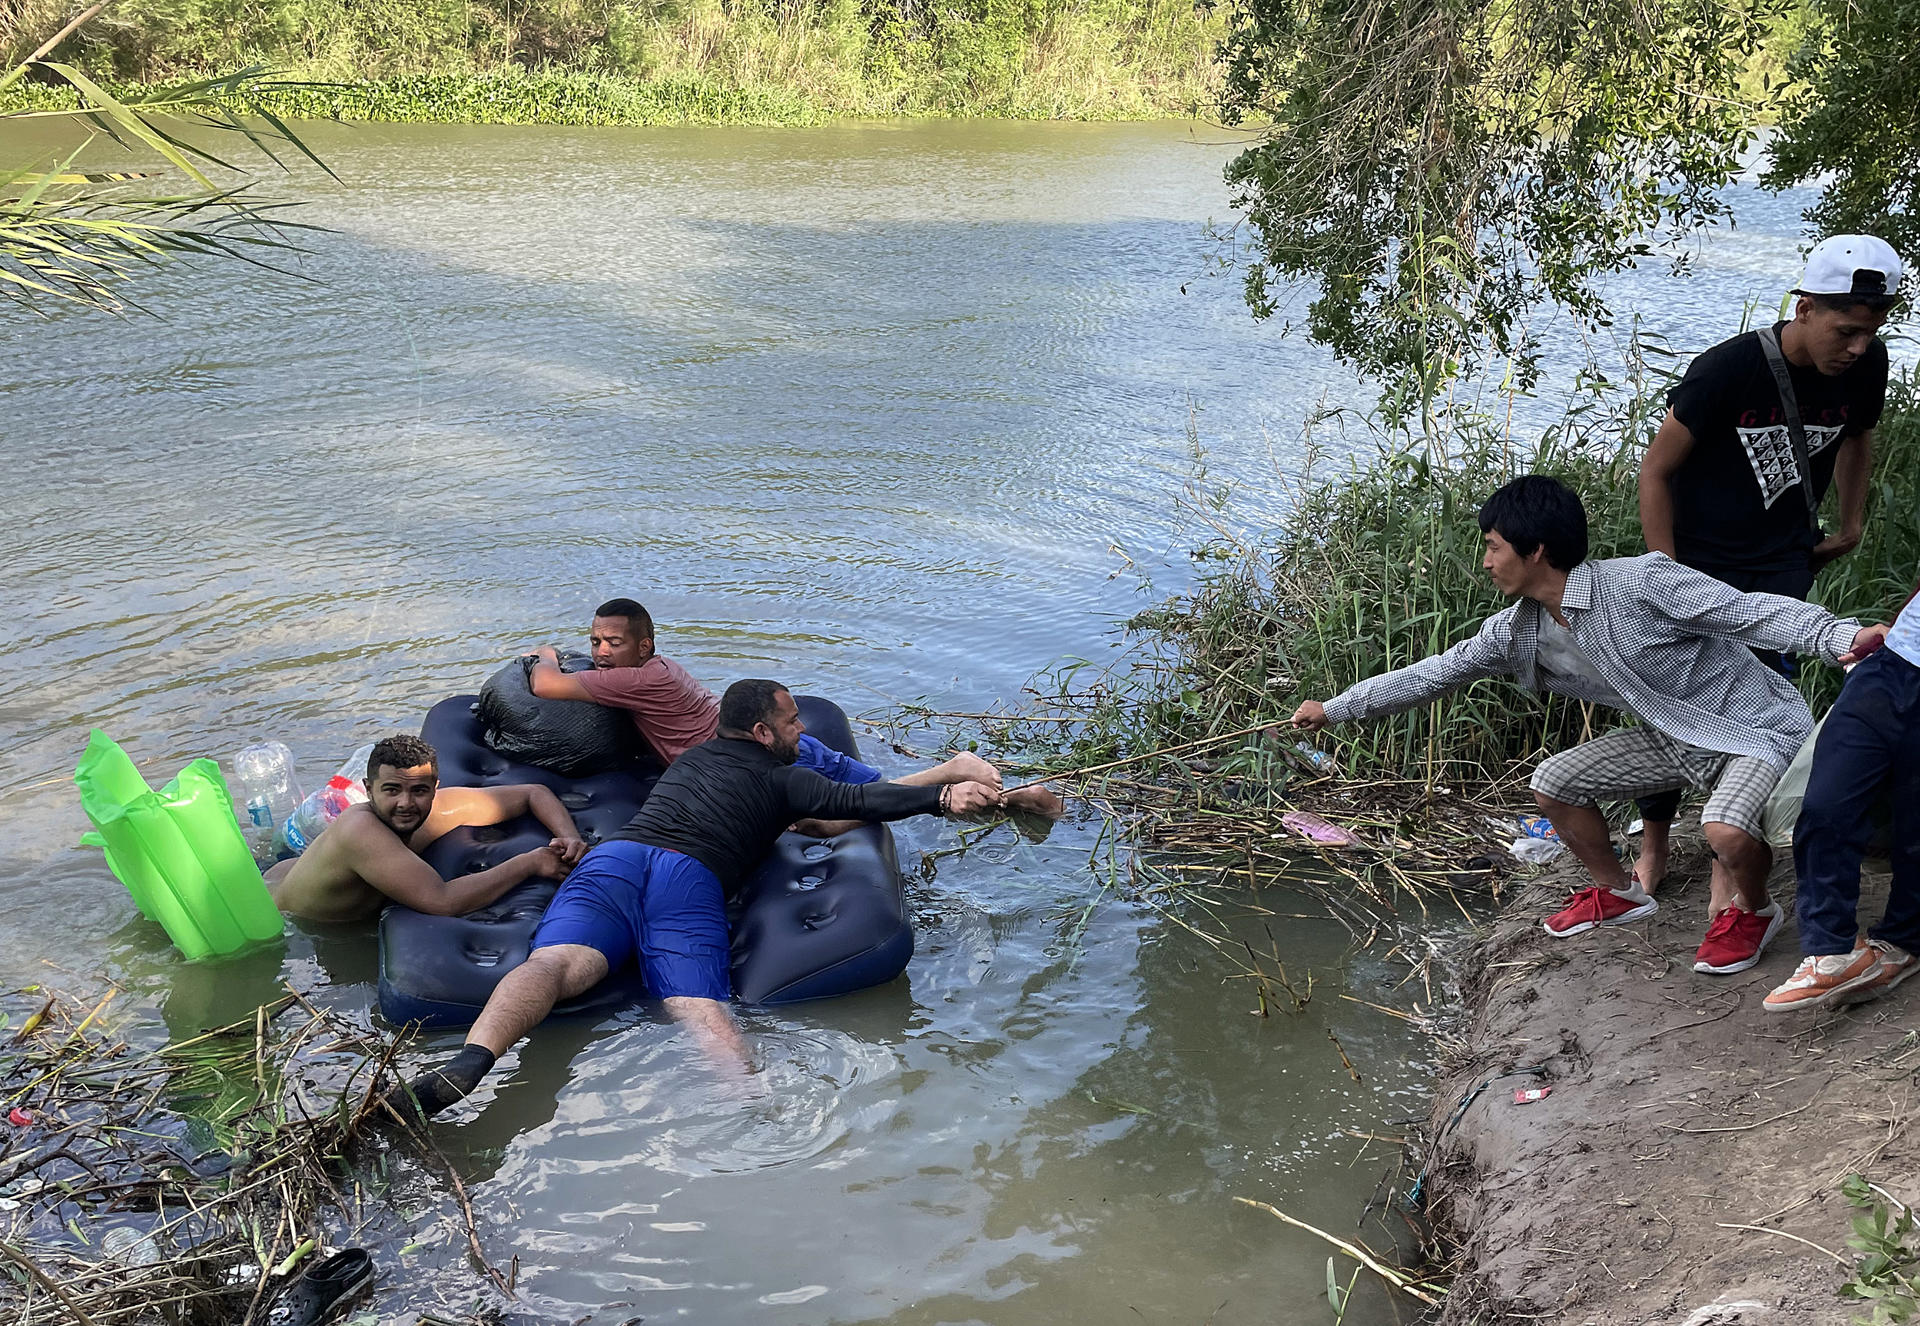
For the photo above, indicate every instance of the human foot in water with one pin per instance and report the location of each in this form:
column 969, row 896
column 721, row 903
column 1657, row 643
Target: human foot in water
column 430, row 1092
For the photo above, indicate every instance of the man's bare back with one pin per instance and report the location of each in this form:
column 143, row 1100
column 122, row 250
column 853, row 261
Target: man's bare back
column 371, row 854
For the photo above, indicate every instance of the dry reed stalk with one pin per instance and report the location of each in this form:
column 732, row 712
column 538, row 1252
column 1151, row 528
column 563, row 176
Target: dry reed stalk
column 204, row 1148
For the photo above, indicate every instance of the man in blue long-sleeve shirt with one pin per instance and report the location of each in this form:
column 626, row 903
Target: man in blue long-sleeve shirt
column 656, row 891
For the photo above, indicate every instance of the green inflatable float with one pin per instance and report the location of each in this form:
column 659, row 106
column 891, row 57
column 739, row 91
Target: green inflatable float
column 179, row 851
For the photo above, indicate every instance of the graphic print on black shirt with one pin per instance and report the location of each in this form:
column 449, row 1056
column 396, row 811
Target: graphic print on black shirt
column 1770, row 451
column 1736, row 497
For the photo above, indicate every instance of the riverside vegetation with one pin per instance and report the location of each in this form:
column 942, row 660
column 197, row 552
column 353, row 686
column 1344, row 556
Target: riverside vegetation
column 658, row 61
column 1379, row 566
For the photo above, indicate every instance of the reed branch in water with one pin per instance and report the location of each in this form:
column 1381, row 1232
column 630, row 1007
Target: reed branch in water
column 187, row 1180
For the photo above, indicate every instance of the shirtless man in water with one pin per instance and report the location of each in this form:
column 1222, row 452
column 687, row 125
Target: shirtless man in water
column 371, row 853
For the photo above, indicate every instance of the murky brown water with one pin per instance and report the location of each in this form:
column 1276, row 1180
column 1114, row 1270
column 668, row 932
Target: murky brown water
column 880, row 410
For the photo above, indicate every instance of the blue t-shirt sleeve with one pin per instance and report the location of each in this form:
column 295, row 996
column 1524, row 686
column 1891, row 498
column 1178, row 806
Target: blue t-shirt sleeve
column 830, row 763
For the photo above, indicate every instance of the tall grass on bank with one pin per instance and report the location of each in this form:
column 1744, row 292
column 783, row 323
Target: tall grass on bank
column 658, row 61
column 1379, row 566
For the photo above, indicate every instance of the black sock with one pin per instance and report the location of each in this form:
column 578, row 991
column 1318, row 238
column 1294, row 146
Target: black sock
column 442, row 1086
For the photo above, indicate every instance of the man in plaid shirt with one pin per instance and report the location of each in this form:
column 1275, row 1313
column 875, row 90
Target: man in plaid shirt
column 1664, row 643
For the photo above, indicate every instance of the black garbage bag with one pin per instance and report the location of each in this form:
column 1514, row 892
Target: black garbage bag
column 571, row 737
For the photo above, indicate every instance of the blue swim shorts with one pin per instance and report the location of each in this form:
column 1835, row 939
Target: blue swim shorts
column 627, row 899
column 830, row 763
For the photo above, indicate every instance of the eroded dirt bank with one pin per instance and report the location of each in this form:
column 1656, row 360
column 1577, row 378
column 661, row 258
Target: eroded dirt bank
column 1688, row 1132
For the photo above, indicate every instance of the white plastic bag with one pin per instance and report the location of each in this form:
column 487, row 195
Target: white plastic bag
column 1783, row 807
column 1537, row 851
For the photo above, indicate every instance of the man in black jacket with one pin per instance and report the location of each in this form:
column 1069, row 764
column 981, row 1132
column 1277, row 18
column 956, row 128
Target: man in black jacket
column 657, row 890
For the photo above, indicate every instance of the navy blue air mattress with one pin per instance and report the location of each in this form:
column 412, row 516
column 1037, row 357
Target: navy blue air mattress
column 821, row 917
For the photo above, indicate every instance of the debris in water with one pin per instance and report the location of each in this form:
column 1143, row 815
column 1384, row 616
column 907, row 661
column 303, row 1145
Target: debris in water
column 1309, row 825
column 1537, row 851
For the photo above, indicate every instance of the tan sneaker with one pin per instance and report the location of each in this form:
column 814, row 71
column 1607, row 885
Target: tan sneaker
column 1894, row 965
column 1819, row 982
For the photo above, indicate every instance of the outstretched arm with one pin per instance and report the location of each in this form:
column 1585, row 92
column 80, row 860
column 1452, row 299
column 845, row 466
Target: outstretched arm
column 496, row 805
column 966, row 767
column 384, row 862
column 1702, row 605
column 809, row 796
column 1487, row 653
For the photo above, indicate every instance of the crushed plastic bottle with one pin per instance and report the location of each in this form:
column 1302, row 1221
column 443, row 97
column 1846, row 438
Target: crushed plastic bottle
column 1319, row 759
column 130, row 1247
column 265, row 792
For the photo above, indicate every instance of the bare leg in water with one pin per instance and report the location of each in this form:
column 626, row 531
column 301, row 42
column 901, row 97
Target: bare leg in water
column 528, row 993
column 713, row 1030
column 517, row 1005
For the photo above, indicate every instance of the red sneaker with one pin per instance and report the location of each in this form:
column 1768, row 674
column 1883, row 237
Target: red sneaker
column 1597, row 906
column 1737, row 938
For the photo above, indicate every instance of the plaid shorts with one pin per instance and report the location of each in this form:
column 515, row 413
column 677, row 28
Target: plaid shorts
column 1638, row 761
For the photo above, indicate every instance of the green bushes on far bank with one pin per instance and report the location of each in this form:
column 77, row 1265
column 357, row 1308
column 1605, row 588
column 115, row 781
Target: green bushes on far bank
column 1380, row 566
column 658, row 61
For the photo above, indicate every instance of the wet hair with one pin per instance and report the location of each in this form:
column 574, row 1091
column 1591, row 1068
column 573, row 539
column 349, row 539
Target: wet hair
column 637, row 619
column 1538, row 511
column 1848, row 303
column 748, row 702
column 401, row 752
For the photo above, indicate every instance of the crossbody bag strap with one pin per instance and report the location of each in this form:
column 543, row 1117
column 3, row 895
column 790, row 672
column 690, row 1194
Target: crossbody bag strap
column 1796, row 431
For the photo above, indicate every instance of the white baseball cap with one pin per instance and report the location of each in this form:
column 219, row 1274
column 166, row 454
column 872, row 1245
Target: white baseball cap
column 1851, row 265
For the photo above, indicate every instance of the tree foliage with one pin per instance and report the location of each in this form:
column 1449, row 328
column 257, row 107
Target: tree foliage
column 1437, row 169
column 1854, row 114
column 652, row 61
column 73, row 235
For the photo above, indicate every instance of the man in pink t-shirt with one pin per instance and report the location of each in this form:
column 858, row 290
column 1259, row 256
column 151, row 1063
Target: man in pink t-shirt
column 675, row 713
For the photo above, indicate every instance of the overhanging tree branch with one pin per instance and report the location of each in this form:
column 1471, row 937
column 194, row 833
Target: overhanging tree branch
column 76, row 236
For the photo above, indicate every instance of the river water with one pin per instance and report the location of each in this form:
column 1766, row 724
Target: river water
column 890, row 412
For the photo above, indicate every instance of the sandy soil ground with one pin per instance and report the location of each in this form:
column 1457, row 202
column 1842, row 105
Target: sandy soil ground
column 1689, row 1133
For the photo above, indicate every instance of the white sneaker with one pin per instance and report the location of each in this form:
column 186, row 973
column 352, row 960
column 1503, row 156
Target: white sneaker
column 1894, row 966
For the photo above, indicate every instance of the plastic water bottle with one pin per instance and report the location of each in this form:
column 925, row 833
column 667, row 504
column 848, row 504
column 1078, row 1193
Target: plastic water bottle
column 264, row 793
column 1319, row 759
column 346, row 788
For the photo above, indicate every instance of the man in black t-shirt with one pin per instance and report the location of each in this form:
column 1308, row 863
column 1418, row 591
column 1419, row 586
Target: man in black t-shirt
column 1720, row 486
